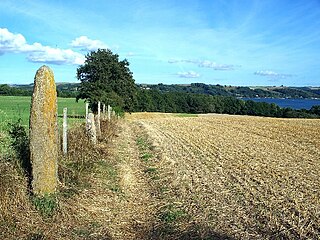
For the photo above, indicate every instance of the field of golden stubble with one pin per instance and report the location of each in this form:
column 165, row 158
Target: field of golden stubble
column 244, row 177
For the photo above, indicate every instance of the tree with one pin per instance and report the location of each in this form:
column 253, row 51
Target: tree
column 315, row 110
column 104, row 78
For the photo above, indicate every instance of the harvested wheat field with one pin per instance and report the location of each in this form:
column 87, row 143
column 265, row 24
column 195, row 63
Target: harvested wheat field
column 177, row 176
column 232, row 177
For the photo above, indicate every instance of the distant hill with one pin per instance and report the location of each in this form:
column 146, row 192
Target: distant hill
column 63, row 89
column 71, row 90
column 238, row 91
column 60, row 86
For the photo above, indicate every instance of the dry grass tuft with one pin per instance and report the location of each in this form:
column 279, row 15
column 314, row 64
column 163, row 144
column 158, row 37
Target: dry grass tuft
column 78, row 171
column 18, row 218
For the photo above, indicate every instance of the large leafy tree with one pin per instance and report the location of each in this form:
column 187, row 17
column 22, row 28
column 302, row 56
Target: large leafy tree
column 104, row 78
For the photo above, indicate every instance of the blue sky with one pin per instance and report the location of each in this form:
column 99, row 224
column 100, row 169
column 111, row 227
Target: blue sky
column 235, row 42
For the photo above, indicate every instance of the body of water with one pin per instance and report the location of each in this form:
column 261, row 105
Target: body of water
column 292, row 103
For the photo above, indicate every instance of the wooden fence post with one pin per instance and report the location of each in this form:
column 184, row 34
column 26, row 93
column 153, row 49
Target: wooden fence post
column 91, row 128
column 104, row 110
column 109, row 112
column 98, row 120
column 65, row 132
column 87, row 110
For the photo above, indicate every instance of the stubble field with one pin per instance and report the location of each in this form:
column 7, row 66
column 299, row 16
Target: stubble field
column 177, row 176
column 237, row 177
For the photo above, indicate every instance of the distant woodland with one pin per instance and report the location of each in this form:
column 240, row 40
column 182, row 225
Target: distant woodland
column 247, row 92
column 199, row 98
column 71, row 90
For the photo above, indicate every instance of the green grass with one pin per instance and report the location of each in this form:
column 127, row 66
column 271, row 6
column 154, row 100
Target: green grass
column 14, row 107
column 146, row 156
column 46, row 205
column 186, row 115
column 172, row 214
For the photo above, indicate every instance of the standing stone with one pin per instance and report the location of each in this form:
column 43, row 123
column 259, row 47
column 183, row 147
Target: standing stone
column 91, row 128
column 65, row 131
column 44, row 133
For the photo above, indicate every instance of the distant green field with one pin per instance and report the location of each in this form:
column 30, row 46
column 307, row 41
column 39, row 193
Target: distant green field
column 14, row 107
column 185, row 115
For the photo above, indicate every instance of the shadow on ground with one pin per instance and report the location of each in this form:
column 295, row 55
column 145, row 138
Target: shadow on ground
column 172, row 233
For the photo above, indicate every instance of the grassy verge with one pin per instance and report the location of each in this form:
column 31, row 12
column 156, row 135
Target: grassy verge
column 170, row 215
column 59, row 216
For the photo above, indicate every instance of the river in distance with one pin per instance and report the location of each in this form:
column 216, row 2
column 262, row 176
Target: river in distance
column 288, row 102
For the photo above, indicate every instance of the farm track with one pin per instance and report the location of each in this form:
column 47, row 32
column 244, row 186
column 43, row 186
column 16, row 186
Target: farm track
column 127, row 212
column 244, row 177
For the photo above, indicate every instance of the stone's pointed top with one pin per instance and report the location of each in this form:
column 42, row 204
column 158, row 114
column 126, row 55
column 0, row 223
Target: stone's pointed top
column 44, row 74
column 44, row 68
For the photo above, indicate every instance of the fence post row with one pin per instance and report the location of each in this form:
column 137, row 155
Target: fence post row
column 93, row 124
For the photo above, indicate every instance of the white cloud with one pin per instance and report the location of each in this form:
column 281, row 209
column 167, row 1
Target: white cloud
column 10, row 42
column 173, row 61
column 272, row 74
column 130, row 54
column 36, row 52
column 205, row 64
column 87, row 44
column 56, row 56
column 183, row 60
column 216, row 66
column 189, row 74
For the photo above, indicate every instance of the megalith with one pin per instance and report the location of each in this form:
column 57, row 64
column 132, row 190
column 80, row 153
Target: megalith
column 44, row 133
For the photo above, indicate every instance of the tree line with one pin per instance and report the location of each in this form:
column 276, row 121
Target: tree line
column 178, row 102
column 62, row 90
column 237, row 91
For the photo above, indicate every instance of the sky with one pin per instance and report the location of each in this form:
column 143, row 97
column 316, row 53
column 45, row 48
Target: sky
column 227, row 42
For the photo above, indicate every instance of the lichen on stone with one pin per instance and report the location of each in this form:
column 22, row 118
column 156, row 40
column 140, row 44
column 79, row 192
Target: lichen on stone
column 44, row 133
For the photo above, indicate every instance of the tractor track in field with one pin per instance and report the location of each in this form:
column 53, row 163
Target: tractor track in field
column 246, row 177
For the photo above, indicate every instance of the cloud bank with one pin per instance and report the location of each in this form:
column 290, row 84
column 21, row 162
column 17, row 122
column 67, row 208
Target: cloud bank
column 36, row 52
column 272, row 74
column 189, row 74
column 87, row 44
column 205, row 64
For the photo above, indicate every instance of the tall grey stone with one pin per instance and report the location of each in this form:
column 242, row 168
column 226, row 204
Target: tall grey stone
column 44, row 133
